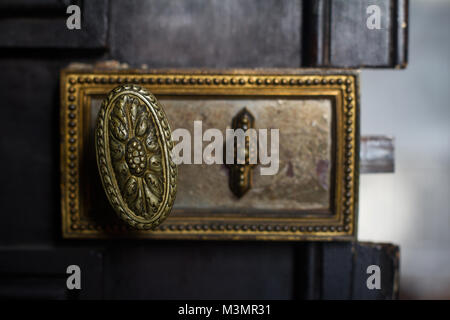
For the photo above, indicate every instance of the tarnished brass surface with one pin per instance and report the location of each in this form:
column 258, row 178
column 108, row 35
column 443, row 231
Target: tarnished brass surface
column 241, row 174
column 312, row 197
column 133, row 145
column 303, row 182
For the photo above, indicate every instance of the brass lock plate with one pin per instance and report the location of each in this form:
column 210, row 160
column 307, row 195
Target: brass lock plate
column 312, row 196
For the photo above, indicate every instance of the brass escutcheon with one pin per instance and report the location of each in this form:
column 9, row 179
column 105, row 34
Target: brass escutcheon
column 133, row 147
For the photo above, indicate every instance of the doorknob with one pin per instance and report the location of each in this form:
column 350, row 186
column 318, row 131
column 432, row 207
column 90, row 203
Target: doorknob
column 133, row 148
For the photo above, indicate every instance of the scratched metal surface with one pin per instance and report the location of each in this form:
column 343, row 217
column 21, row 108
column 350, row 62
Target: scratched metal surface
column 303, row 179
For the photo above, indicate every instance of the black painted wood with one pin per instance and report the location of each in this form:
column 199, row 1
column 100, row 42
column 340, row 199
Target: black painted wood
column 217, row 34
column 335, row 34
column 42, row 24
column 40, row 273
column 207, row 34
column 387, row 256
column 199, row 270
column 338, row 270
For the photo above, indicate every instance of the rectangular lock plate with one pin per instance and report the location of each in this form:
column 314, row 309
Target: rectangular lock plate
column 312, row 196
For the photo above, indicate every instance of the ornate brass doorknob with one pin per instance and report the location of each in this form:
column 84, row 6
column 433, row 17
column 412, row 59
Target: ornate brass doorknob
column 133, row 147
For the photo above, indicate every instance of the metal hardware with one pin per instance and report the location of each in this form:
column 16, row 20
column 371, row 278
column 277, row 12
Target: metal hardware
column 241, row 174
column 133, row 145
column 312, row 197
column 377, row 154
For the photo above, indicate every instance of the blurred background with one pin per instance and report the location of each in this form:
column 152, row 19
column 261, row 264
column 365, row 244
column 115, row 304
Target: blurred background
column 411, row 207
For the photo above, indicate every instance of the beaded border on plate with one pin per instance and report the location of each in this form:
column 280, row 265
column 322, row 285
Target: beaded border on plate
column 70, row 121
